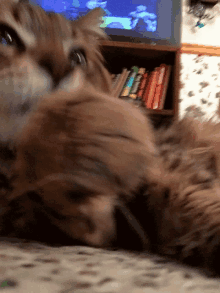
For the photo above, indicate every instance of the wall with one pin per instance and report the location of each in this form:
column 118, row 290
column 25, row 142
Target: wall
column 199, row 87
column 208, row 35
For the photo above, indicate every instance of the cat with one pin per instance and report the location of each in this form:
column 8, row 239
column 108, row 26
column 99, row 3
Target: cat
column 83, row 156
column 42, row 53
column 189, row 225
column 37, row 55
column 38, row 52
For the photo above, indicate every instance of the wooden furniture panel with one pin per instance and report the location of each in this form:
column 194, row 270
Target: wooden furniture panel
column 119, row 55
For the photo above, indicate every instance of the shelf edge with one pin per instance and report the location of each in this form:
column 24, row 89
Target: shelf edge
column 199, row 49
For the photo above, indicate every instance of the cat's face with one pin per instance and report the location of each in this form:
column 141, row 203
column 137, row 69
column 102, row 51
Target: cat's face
column 38, row 54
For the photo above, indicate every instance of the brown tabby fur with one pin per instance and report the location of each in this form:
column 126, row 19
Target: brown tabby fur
column 189, row 226
column 38, row 62
column 83, row 154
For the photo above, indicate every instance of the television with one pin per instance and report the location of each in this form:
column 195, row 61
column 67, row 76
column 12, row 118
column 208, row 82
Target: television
column 154, row 22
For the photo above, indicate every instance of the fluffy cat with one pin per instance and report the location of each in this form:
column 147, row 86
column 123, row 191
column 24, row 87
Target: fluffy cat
column 188, row 226
column 44, row 53
column 38, row 53
column 83, row 155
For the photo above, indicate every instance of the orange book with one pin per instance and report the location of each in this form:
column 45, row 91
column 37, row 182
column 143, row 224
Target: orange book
column 156, row 99
column 142, row 87
column 165, row 84
column 151, row 87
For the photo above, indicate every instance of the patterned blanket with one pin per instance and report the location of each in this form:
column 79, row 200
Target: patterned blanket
column 34, row 268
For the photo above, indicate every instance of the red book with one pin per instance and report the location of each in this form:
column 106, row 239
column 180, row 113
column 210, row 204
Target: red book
column 165, row 84
column 151, row 87
column 156, row 100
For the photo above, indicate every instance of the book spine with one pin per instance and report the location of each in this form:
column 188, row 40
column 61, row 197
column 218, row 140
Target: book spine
column 118, row 78
column 150, row 90
column 129, row 82
column 164, row 86
column 115, row 80
column 147, row 89
column 156, row 99
column 136, row 84
column 123, row 87
column 121, row 82
column 141, row 87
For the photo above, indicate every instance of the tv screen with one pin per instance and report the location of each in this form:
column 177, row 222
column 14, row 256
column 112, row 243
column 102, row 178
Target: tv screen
column 147, row 21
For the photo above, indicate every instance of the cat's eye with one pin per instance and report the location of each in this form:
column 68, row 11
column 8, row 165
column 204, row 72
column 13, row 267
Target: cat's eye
column 8, row 37
column 77, row 57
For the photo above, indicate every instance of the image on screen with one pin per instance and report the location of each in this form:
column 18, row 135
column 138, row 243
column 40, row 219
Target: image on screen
column 135, row 15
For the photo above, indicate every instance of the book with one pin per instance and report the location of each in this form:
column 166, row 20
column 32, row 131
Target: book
column 141, row 87
column 165, row 84
column 115, row 80
column 136, row 83
column 156, row 99
column 121, row 81
column 150, row 89
column 126, row 90
column 123, row 86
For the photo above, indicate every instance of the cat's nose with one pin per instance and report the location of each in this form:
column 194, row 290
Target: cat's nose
column 57, row 70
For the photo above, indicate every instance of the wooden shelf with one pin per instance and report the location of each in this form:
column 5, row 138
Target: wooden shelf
column 200, row 49
column 138, row 46
column 119, row 55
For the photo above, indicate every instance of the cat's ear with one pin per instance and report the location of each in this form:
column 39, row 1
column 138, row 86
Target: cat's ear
column 91, row 22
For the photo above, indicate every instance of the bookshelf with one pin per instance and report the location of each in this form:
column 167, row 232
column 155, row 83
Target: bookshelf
column 120, row 54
